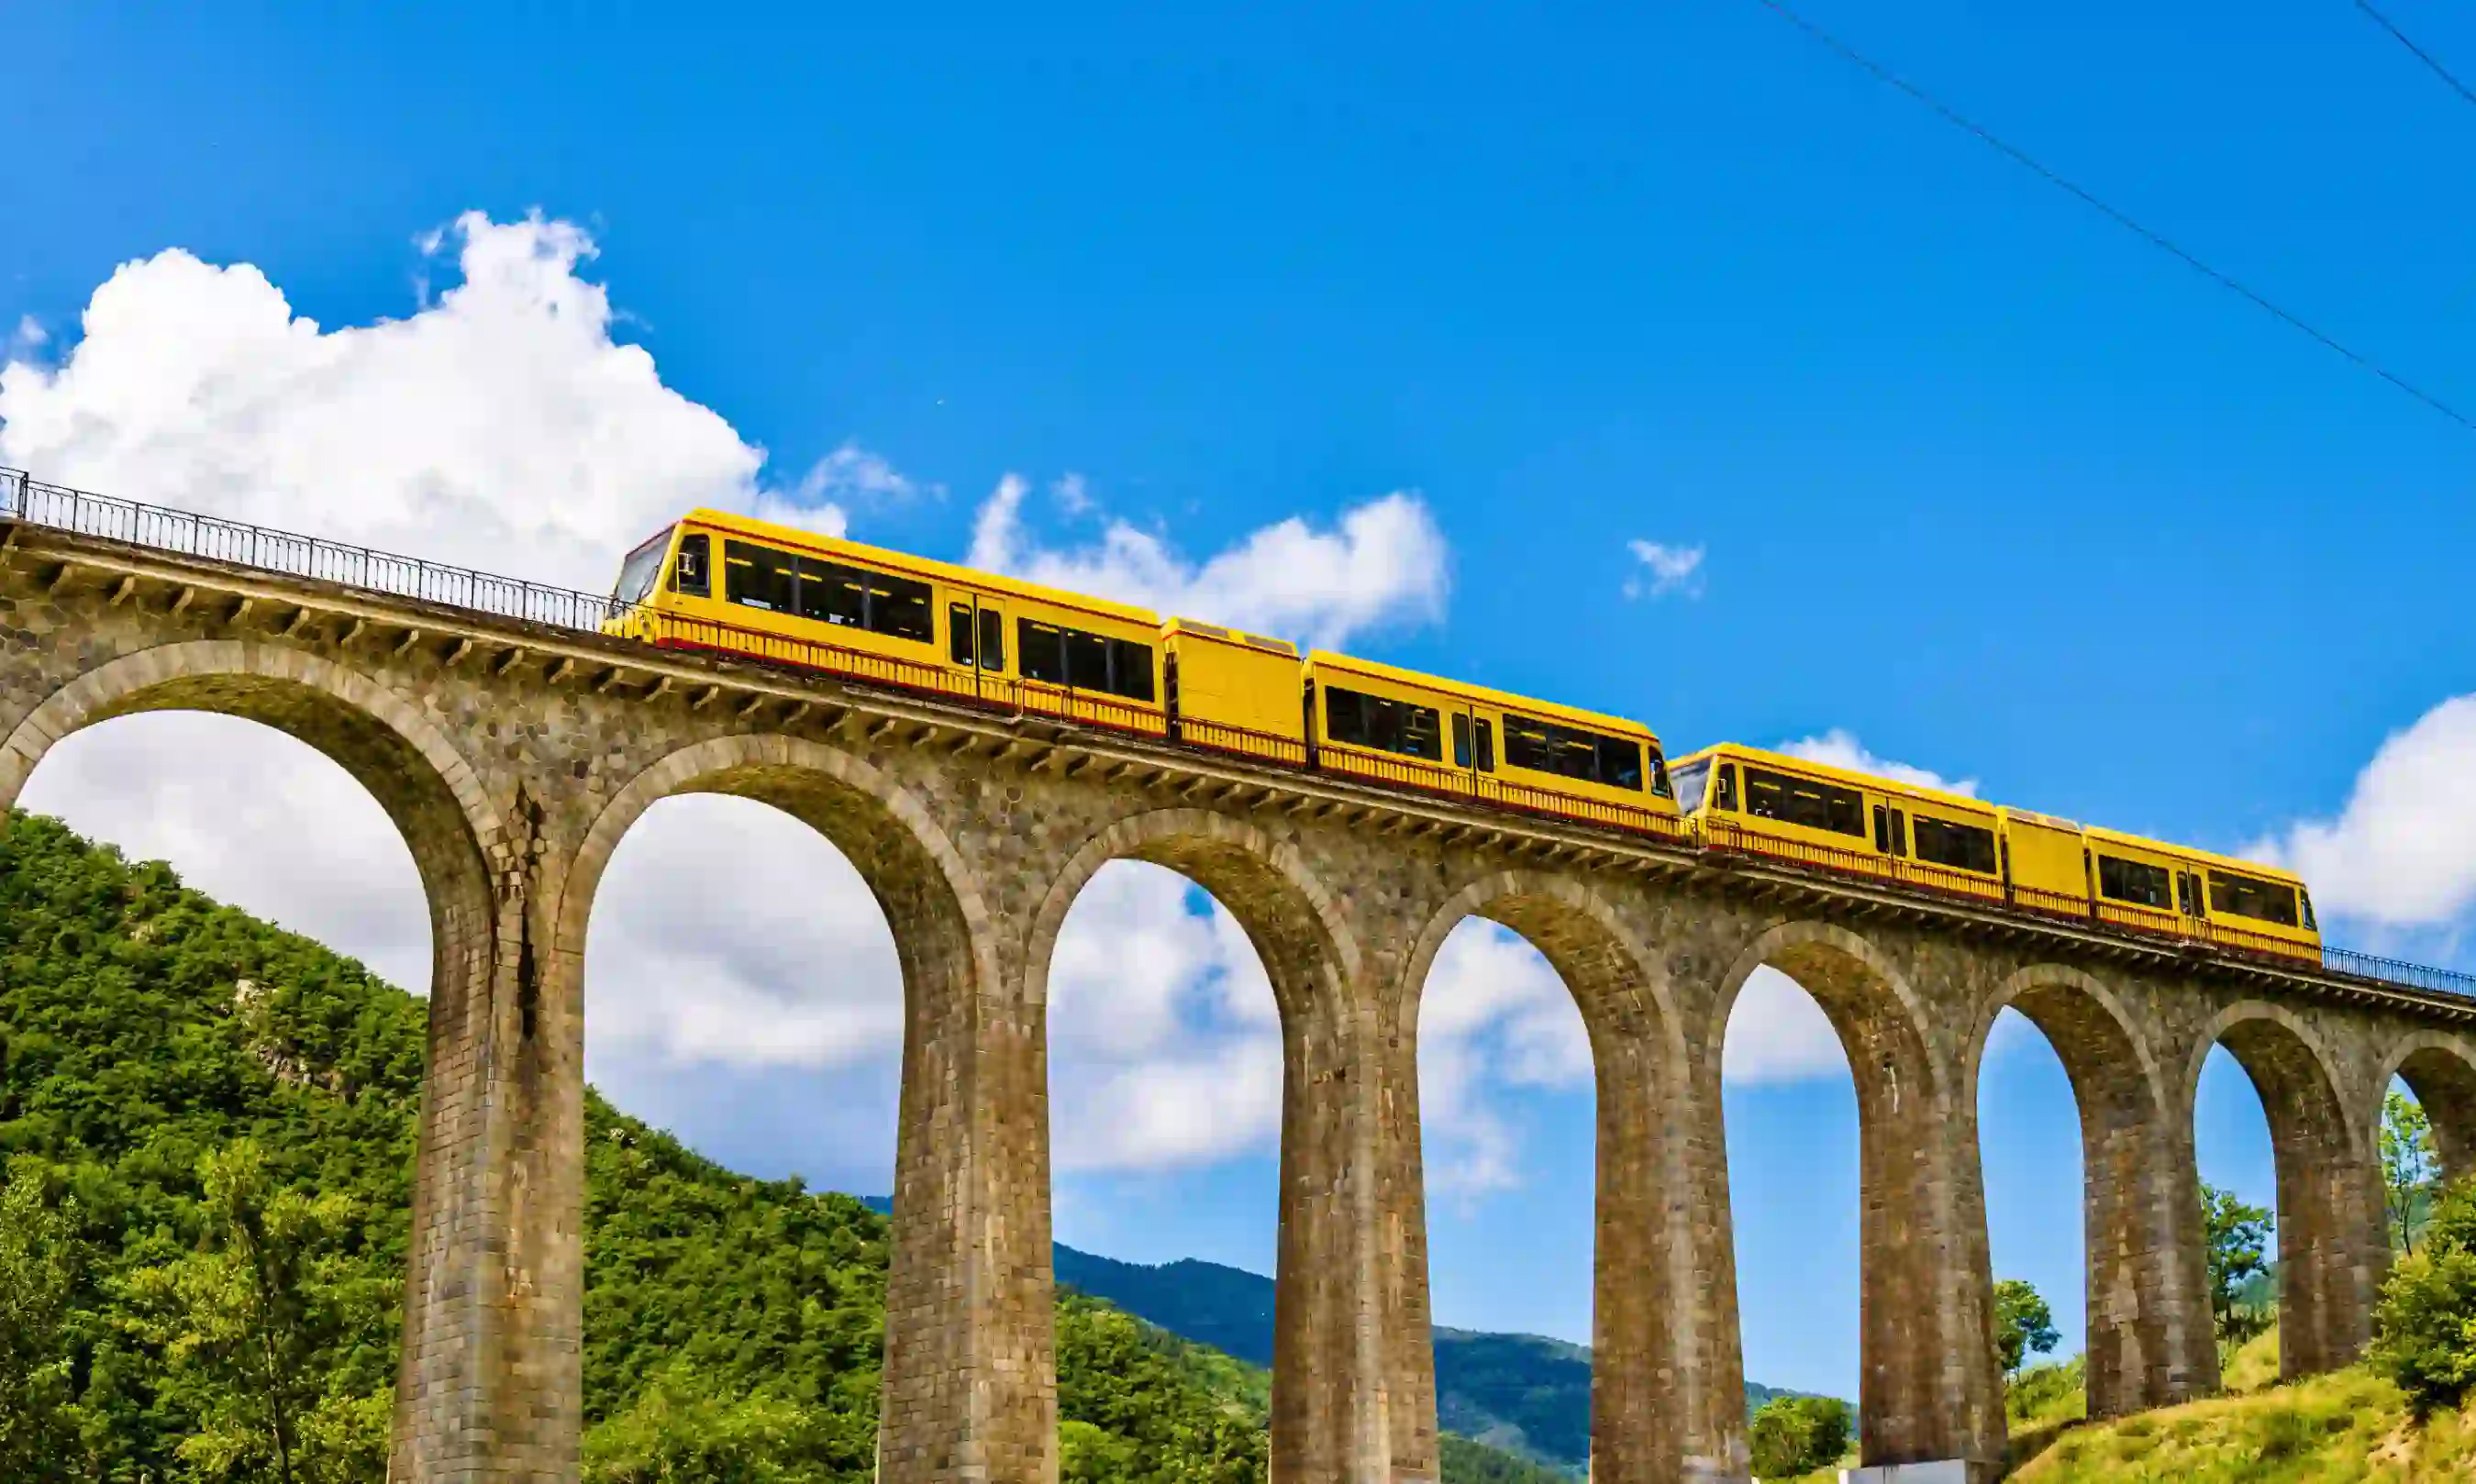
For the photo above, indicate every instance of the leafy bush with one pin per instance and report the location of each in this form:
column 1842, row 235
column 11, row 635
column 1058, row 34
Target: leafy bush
column 2424, row 1329
column 1798, row 1435
column 2044, row 1389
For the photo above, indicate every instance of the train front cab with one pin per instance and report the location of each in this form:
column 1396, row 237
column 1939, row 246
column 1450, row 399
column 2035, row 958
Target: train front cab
column 1407, row 729
column 2233, row 905
column 1761, row 803
column 727, row 585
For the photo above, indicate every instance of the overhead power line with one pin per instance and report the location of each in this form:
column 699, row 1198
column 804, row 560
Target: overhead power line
column 2156, row 239
column 2421, row 55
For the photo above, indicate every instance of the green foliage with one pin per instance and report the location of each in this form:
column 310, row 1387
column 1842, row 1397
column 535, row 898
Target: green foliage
column 39, row 1270
column 683, row 1428
column 1798, row 1435
column 2238, row 1247
column 2424, row 1328
column 2409, row 1165
column 2024, row 1324
column 1466, row 1462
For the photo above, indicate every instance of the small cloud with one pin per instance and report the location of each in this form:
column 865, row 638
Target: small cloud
column 2402, row 853
column 30, row 335
column 1073, row 495
column 854, row 475
column 1665, row 569
column 1842, row 750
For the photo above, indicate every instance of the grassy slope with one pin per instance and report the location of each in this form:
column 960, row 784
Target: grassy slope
column 2350, row 1428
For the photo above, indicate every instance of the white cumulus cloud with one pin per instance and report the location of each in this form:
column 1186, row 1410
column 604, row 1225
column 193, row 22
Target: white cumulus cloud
column 1665, row 569
column 1381, row 565
column 2403, row 851
column 1842, row 750
column 1776, row 1033
column 499, row 425
column 1493, row 1018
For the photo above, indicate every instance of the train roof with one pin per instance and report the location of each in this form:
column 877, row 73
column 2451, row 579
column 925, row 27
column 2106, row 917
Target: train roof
column 1839, row 774
column 1546, row 710
column 915, row 566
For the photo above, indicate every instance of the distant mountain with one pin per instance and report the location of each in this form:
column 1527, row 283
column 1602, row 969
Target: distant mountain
column 1525, row 1395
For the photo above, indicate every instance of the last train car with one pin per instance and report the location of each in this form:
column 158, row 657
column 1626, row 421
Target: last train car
column 1411, row 731
column 728, row 584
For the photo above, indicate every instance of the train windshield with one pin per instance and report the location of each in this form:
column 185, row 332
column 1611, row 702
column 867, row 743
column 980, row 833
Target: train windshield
column 1691, row 780
column 638, row 573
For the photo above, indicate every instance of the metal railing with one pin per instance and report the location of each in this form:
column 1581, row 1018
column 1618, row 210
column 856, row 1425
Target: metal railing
column 183, row 532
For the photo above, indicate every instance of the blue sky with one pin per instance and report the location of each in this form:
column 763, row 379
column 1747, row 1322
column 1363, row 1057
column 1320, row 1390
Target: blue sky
column 1975, row 476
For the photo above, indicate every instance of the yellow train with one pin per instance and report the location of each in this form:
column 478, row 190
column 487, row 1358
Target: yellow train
column 726, row 584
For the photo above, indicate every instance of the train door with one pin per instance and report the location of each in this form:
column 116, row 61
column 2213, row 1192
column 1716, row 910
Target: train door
column 2193, row 900
column 1475, row 750
column 1891, row 835
column 976, row 639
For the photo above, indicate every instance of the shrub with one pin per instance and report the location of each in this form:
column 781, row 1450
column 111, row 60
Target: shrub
column 2424, row 1329
column 1798, row 1435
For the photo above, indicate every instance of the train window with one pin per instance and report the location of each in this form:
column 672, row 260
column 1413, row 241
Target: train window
column 898, row 606
column 958, row 632
column 1691, row 779
column 1486, row 745
column 2185, row 901
column 690, row 573
column 1040, row 650
column 1807, row 802
column 1659, row 775
column 2306, row 897
column 1130, row 669
column 1079, row 660
column 1383, row 724
column 1461, row 739
column 1088, row 660
column 1727, row 796
column 831, row 593
column 758, row 577
column 2268, row 901
column 1900, row 833
column 2132, row 880
column 1883, row 829
column 638, row 573
column 1965, row 847
column 1569, row 752
column 992, row 639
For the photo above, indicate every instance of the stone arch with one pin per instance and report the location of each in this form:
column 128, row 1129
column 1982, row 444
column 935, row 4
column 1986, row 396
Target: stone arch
column 902, row 855
column 1288, row 913
column 389, row 746
column 970, row 1346
column 493, row 1289
column 1342, row 1379
column 1929, row 1384
column 2148, row 1339
column 2441, row 1069
column 2330, row 1246
column 1654, row 1404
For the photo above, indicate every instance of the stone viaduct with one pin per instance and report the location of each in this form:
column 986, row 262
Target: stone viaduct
column 515, row 755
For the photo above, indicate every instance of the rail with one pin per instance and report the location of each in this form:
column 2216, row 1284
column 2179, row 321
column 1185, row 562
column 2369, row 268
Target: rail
column 28, row 500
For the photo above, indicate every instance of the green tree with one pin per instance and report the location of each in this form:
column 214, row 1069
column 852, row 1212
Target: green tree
column 2424, row 1328
column 245, row 1324
column 39, row 1271
column 2408, row 1164
column 1798, row 1435
column 2238, row 1247
column 2024, row 1324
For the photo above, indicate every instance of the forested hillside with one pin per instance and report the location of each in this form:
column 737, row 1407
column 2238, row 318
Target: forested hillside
column 208, row 1126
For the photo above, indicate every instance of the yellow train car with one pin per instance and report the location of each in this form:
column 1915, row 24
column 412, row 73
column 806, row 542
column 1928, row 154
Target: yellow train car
column 2155, row 887
column 727, row 584
column 1233, row 691
column 1769, row 804
column 1413, row 731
